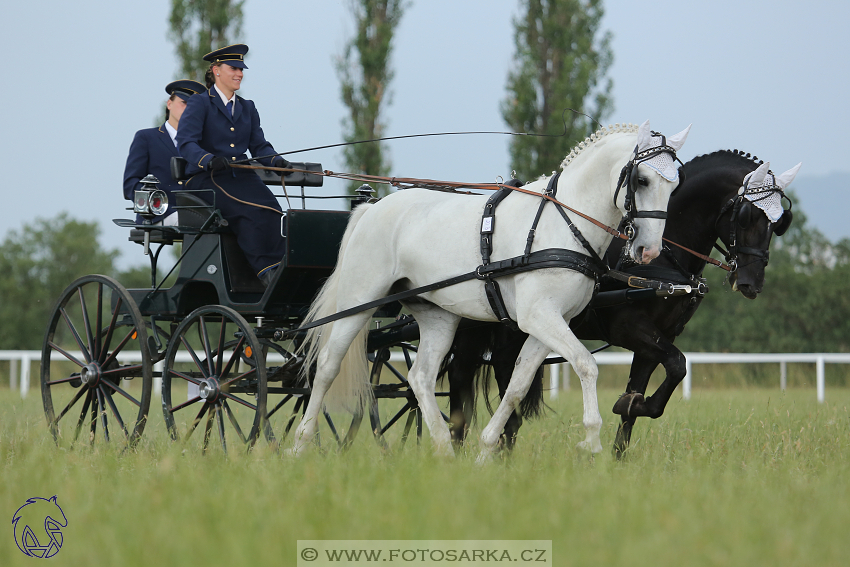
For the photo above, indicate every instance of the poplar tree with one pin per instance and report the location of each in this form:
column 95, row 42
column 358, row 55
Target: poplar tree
column 365, row 74
column 560, row 62
column 200, row 26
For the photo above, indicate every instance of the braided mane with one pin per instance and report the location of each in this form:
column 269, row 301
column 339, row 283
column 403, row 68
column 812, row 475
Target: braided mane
column 596, row 136
column 743, row 157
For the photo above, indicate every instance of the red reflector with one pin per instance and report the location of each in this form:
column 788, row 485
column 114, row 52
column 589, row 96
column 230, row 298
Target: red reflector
column 156, row 202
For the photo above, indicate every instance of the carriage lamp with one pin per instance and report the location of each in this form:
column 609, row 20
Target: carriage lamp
column 150, row 201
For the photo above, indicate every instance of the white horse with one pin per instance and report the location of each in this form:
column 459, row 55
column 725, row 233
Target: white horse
column 417, row 237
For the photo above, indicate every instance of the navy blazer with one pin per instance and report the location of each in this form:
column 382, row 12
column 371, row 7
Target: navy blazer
column 208, row 130
column 151, row 152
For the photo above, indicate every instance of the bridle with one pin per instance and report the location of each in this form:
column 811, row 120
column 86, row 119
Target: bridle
column 629, row 180
column 741, row 218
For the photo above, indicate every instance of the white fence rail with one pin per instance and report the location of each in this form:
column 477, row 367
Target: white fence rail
column 20, row 363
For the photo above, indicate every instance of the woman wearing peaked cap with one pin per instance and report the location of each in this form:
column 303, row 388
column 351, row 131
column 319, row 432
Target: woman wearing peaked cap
column 218, row 128
column 152, row 148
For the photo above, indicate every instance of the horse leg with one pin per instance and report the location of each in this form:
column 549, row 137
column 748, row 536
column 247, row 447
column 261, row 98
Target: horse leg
column 639, row 375
column 461, row 373
column 531, row 356
column 328, row 365
column 502, row 370
column 436, row 331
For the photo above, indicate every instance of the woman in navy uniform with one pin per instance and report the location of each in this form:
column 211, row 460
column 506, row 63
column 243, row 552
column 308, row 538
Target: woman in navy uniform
column 152, row 148
column 217, row 128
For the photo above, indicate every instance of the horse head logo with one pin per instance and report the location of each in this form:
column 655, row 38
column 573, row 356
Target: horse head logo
column 37, row 525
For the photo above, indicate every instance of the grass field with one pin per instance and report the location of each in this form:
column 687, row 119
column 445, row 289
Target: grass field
column 743, row 477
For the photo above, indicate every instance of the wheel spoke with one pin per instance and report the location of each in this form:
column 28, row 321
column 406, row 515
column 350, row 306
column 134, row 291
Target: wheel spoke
column 122, row 392
column 121, row 370
column 104, row 349
column 198, row 363
column 98, row 321
column 234, row 356
column 115, row 412
column 237, row 378
column 87, row 324
column 186, row 377
column 331, row 425
column 70, row 378
column 220, row 420
column 233, row 421
column 220, row 358
column 207, row 430
column 83, row 414
column 407, row 425
column 65, row 353
column 93, row 419
column 70, row 404
column 395, row 418
column 75, row 334
column 102, row 411
column 185, row 404
column 197, row 421
column 119, row 348
column 205, row 339
column 279, row 405
column 239, row 400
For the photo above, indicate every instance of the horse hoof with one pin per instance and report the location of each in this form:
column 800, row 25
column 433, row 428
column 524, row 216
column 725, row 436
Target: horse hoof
column 589, row 447
column 626, row 404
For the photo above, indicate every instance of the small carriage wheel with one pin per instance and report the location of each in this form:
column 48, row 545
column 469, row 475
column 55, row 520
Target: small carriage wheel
column 95, row 339
column 205, row 379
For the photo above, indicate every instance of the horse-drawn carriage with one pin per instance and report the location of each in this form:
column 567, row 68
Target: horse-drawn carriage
column 203, row 341
column 223, row 350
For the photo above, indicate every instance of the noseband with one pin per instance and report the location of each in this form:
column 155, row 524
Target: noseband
column 742, row 214
column 629, row 179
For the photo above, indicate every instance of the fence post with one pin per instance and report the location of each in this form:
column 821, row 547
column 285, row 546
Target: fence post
column 686, row 383
column 13, row 374
column 783, row 376
column 554, row 380
column 25, row 375
column 567, row 369
column 820, row 379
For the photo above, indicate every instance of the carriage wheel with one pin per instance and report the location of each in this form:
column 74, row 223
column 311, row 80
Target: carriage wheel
column 206, row 380
column 95, row 340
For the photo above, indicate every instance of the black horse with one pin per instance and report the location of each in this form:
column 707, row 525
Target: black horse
column 706, row 206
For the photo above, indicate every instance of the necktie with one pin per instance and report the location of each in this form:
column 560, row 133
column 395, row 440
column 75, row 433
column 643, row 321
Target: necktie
column 229, row 107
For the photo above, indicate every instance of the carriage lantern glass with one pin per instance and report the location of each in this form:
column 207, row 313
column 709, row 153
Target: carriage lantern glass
column 150, row 201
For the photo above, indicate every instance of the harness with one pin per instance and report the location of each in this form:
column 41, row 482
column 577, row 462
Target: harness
column 742, row 213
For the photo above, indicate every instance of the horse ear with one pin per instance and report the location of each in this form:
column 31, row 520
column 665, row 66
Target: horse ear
column 783, row 223
column 644, row 135
column 786, row 178
column 676, row 142
column 757, row 177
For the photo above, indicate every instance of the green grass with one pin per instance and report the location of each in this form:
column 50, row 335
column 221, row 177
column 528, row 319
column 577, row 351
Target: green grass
column 747, row 477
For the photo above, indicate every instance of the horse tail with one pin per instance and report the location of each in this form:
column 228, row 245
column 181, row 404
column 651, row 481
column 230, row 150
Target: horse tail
column 351, row 387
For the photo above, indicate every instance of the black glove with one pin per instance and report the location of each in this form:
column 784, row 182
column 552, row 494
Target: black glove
column 280, row 161
column 218, row 163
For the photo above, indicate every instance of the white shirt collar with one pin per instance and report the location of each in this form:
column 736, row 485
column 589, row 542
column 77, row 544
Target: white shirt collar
column 226, row 100
column 171, row 132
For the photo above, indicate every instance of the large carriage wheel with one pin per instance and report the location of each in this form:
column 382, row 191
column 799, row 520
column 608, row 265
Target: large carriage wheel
column 206, row 380
column 96, row 339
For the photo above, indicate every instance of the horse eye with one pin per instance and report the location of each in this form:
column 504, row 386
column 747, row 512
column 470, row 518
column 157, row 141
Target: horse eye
column 643, row 181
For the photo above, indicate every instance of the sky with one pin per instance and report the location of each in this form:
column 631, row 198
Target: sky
column 767, row 77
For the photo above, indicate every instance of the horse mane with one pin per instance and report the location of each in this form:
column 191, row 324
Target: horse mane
column 595, row 137
column 723, row 157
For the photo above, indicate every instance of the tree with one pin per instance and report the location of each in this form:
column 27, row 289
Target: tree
column 36, row 265
column 365, row 74
column 560, row 62
column 200, row 26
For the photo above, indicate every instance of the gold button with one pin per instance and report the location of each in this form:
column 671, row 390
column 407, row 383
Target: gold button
column 179, row 183
column 232, row 129
column 231, row 145
column 233, row 158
